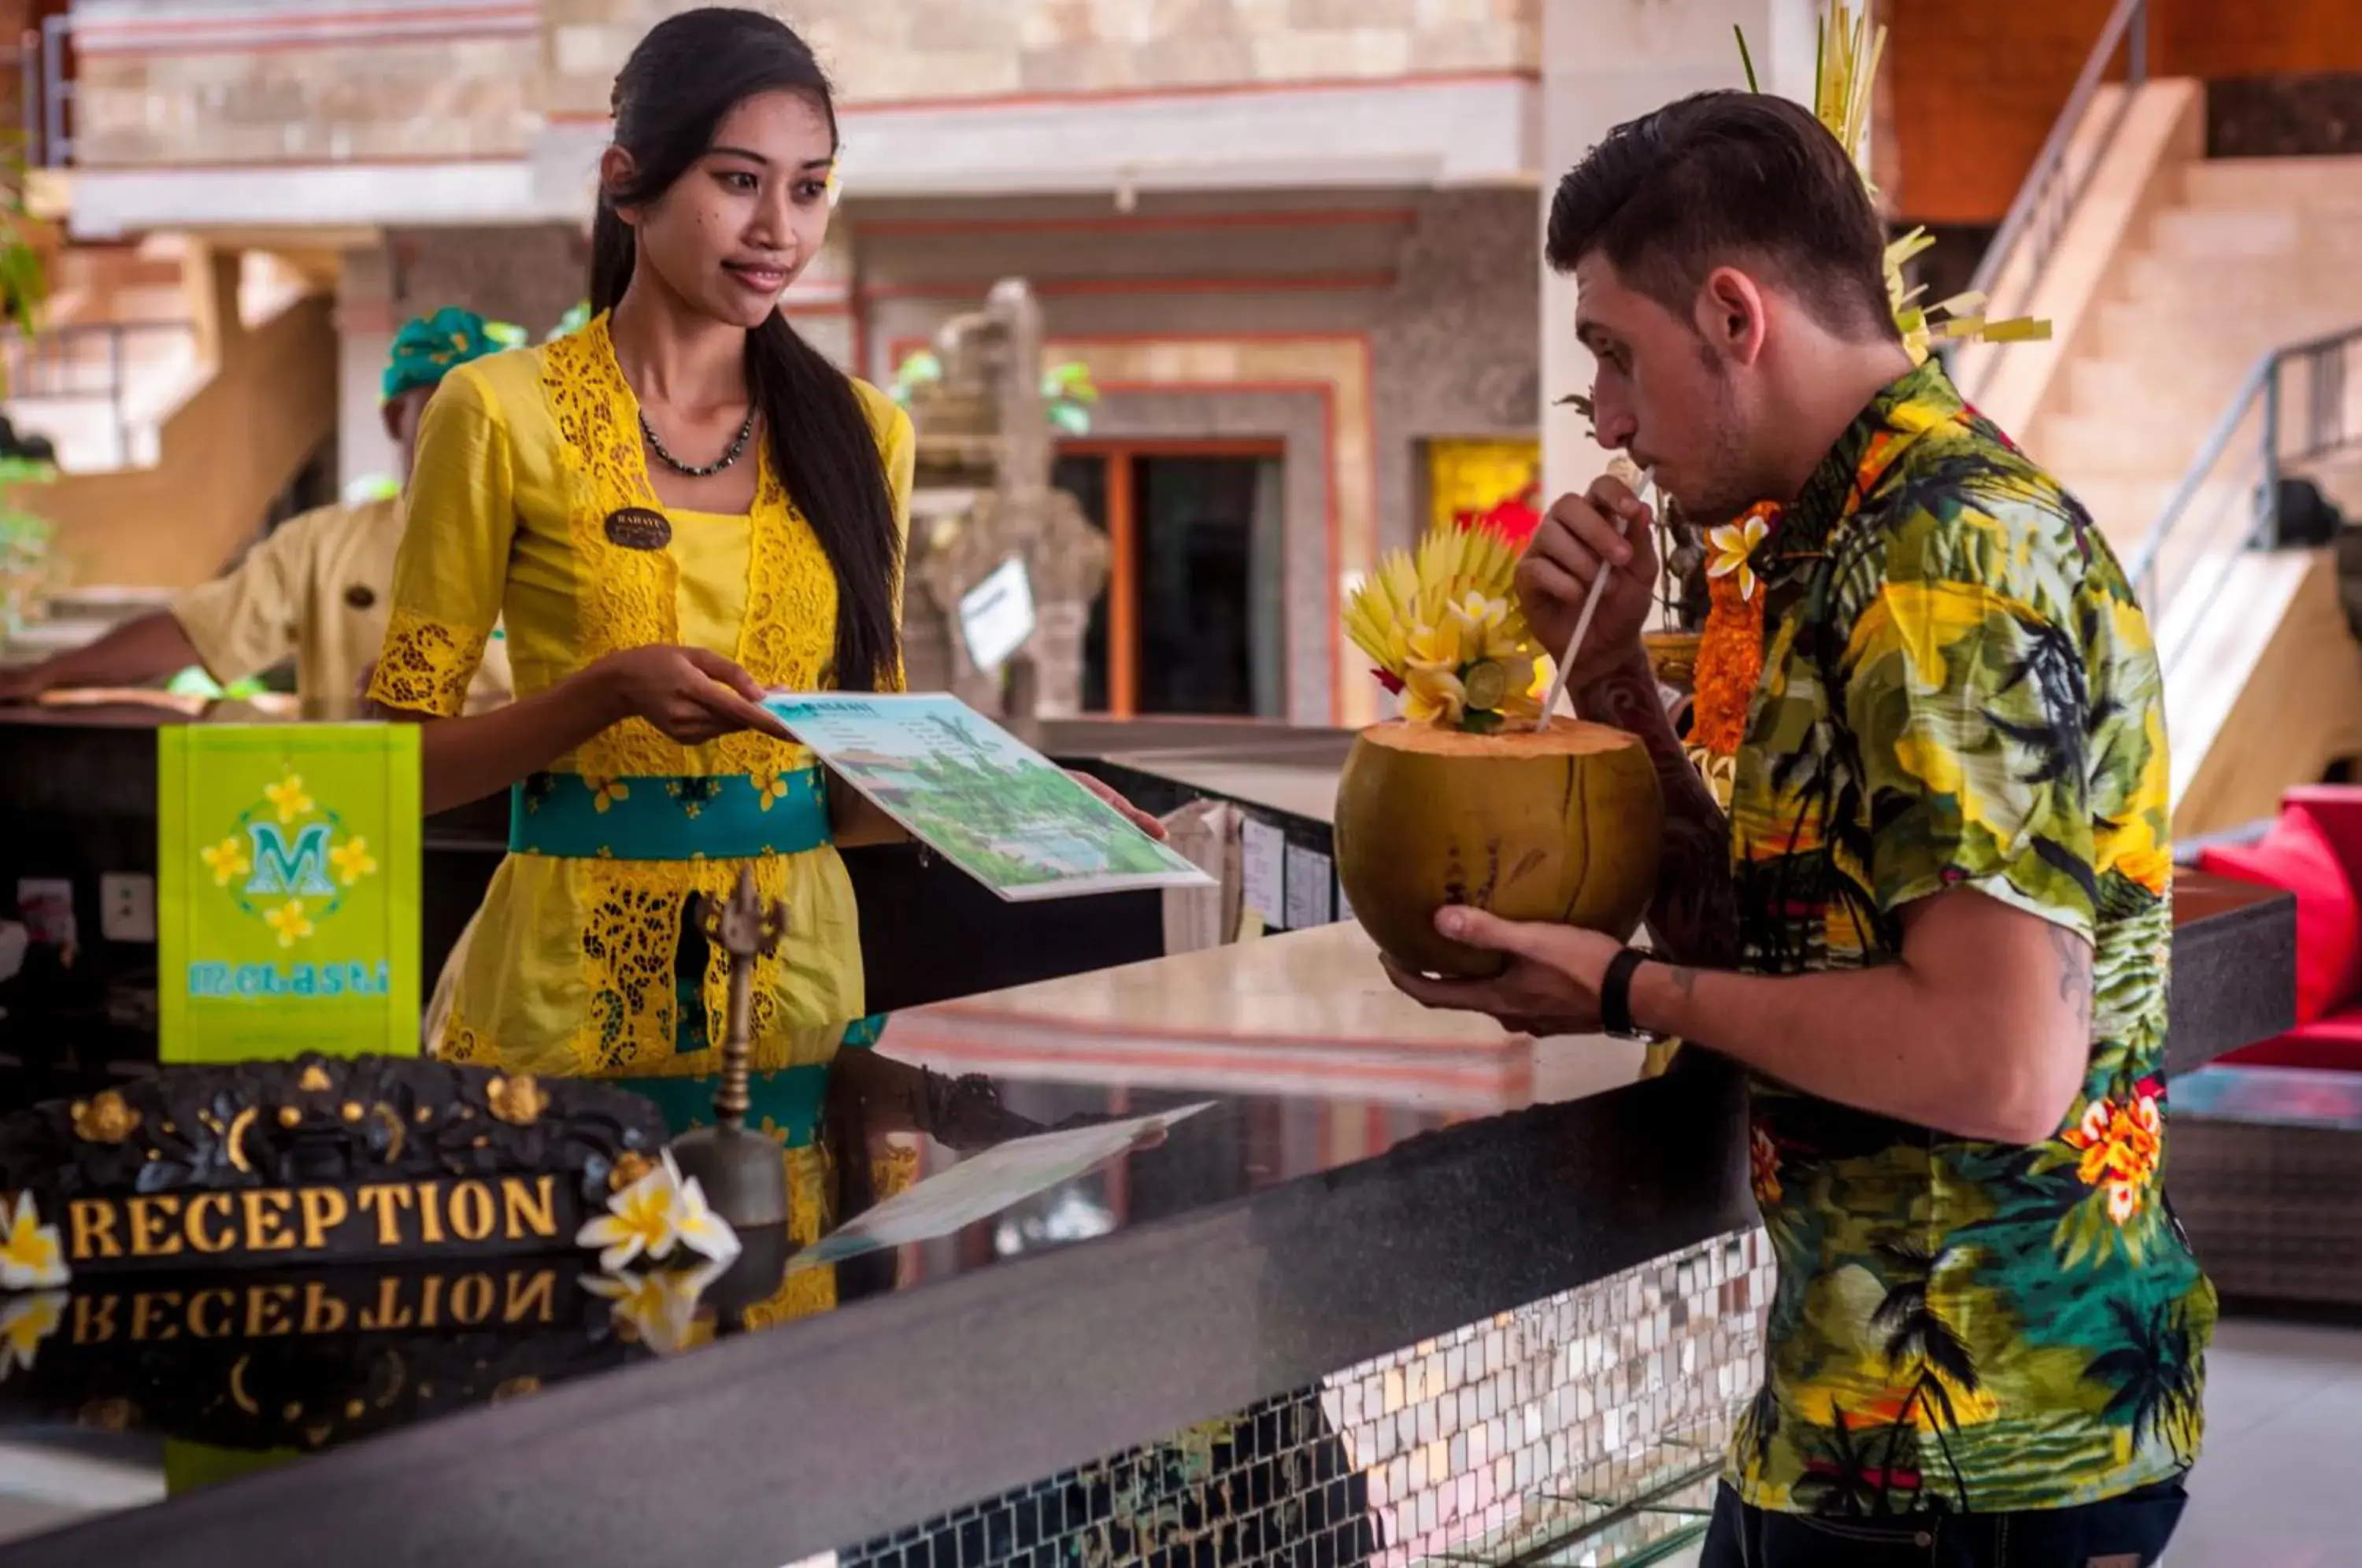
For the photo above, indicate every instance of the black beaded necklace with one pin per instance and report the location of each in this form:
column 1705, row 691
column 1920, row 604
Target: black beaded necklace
column 690, row 470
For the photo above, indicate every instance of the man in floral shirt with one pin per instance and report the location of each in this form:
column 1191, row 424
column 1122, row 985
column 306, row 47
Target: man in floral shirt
column 1935, row 922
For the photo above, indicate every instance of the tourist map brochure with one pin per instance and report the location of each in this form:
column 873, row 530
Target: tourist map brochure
column 983, row 1184
column 977, row 796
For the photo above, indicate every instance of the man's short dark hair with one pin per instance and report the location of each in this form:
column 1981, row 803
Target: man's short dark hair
column 1729, row 179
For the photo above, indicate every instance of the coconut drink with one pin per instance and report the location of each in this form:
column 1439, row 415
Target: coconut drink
column 1469, row 798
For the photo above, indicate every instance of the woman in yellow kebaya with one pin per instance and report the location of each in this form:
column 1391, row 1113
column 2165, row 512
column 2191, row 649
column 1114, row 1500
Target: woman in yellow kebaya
column 675, row 508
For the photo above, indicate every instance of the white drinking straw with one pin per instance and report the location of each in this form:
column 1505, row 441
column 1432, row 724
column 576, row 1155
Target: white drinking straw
column 1590, row 608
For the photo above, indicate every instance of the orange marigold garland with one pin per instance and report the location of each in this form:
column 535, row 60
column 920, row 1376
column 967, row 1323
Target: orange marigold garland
column 1730, row 649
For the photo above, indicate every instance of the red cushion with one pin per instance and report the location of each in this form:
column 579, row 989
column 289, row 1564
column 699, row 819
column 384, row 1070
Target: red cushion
column 2296, row 856
column 2333, row 1043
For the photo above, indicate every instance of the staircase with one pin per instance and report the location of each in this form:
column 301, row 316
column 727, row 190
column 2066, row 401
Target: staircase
column 183, row 388
column 2250, row 254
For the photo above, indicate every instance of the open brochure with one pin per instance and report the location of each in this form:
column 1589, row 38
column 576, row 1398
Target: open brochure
column 983, row 1184
column 978, row 796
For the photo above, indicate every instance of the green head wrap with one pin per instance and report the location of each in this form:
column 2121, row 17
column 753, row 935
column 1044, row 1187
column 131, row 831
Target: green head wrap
column 429, row 347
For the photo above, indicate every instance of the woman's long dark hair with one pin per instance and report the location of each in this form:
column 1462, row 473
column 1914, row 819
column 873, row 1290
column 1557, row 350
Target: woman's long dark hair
column 671, row 96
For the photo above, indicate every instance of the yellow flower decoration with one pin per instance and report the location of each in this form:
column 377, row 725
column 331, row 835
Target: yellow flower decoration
column 352, row 860
column 25, row 1322
column 227, row 860
column 1433, row 695
column 290, row 921
column 771, row 786
column 31, row 1256
column 287, row 796
column 1733, row 548
column 605, row 792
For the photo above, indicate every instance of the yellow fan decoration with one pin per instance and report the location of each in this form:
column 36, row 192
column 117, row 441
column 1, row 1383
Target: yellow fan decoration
column 1445, row 630
column 1845, row 71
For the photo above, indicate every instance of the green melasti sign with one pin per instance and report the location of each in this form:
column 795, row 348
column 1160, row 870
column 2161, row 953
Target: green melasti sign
column 287, row 891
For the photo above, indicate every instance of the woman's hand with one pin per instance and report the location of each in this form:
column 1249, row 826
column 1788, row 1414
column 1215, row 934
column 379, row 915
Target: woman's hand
column 691, row 694
column 1132, row 813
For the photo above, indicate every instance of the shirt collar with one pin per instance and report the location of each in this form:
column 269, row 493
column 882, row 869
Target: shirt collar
column 1911, row 403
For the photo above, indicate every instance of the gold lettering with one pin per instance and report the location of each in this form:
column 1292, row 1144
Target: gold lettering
column 265, row 1220
column 202, row 1240
column 323, row 1313
column 385, row 1200
column 430, row 1304
column 471, row 1212
column 471, row 1298
column 152, row 1235
column 149, row 1307
column 93, row 1323
column 527, row 1291
column 199, row 1303
column 94, row 1229
column 529, row 1210
column 430, row 1213
column 266, row 1310
column 389, row 1313
column 324, row 1208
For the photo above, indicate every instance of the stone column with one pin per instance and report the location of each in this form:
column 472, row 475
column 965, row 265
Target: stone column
column 1605, row 61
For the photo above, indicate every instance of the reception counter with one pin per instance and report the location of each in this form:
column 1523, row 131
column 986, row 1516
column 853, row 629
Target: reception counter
column 1397, row 1285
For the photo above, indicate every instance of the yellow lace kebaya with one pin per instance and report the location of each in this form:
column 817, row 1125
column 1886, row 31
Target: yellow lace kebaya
column 524, row 459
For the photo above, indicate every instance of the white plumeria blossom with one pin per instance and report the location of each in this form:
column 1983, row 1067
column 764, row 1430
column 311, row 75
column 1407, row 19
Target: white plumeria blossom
column 656, row 1213
column 660, row 1305
column 31, row 1256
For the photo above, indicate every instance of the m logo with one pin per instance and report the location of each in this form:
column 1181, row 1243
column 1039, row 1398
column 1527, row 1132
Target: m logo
column 298, row 871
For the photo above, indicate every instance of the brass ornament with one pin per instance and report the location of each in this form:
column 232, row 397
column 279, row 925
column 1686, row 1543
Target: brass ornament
column 105, row 1118
column 517, row 1101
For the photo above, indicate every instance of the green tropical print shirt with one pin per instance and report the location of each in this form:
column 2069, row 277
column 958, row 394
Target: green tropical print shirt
column 1959, row 690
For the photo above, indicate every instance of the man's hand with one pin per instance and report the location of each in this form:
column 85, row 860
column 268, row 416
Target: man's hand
column 1556, row 574
column 1551, row 986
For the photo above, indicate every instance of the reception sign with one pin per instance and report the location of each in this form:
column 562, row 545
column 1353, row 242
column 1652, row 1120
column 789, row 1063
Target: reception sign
column 287, row 891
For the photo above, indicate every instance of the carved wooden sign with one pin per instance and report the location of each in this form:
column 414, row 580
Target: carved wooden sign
column 374, row 1158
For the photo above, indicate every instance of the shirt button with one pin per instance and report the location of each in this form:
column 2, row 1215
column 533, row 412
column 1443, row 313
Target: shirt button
column 1923, row 1538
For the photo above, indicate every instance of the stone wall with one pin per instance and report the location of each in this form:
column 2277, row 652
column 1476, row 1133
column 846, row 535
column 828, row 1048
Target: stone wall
column 528, row 274
column 895, row 50
column 398, row 101
column 1456, row 344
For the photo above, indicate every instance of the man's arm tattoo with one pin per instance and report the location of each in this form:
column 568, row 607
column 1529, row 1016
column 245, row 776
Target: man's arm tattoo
column 2074, row 969
column 1695, row 915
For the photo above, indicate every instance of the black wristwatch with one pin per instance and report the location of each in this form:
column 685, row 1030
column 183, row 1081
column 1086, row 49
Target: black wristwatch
column 1615, row 996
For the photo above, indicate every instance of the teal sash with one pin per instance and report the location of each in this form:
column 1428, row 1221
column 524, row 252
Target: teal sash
column 785, row 1104
column 666, row 817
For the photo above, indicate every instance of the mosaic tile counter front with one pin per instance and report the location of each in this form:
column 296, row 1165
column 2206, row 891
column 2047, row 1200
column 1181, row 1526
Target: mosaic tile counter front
column 1585, row 1428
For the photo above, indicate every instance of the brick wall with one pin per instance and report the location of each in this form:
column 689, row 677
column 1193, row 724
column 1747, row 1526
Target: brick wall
column 894, row 50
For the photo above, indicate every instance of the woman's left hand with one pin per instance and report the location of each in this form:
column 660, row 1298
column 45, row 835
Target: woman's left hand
column 1132, row 813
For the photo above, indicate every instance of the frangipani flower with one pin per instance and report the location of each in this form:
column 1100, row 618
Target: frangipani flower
column 290, row 921
column 25, row 1322
column 638, row 1222
column 1733, row 548
column 1433, row 695
column 352, row 860
column 227, row 860
column 700, row 1229
column 287, row 796
column 654, row 1214
column 31, row 1256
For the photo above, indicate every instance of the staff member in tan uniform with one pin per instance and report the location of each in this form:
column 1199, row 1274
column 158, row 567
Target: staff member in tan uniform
column 318, row 586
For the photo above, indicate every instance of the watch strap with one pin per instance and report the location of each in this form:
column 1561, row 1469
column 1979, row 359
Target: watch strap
column 1615, row 994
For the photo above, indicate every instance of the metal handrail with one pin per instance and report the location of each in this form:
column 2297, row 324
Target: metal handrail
column 2051, row 190
column 2325, row 431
